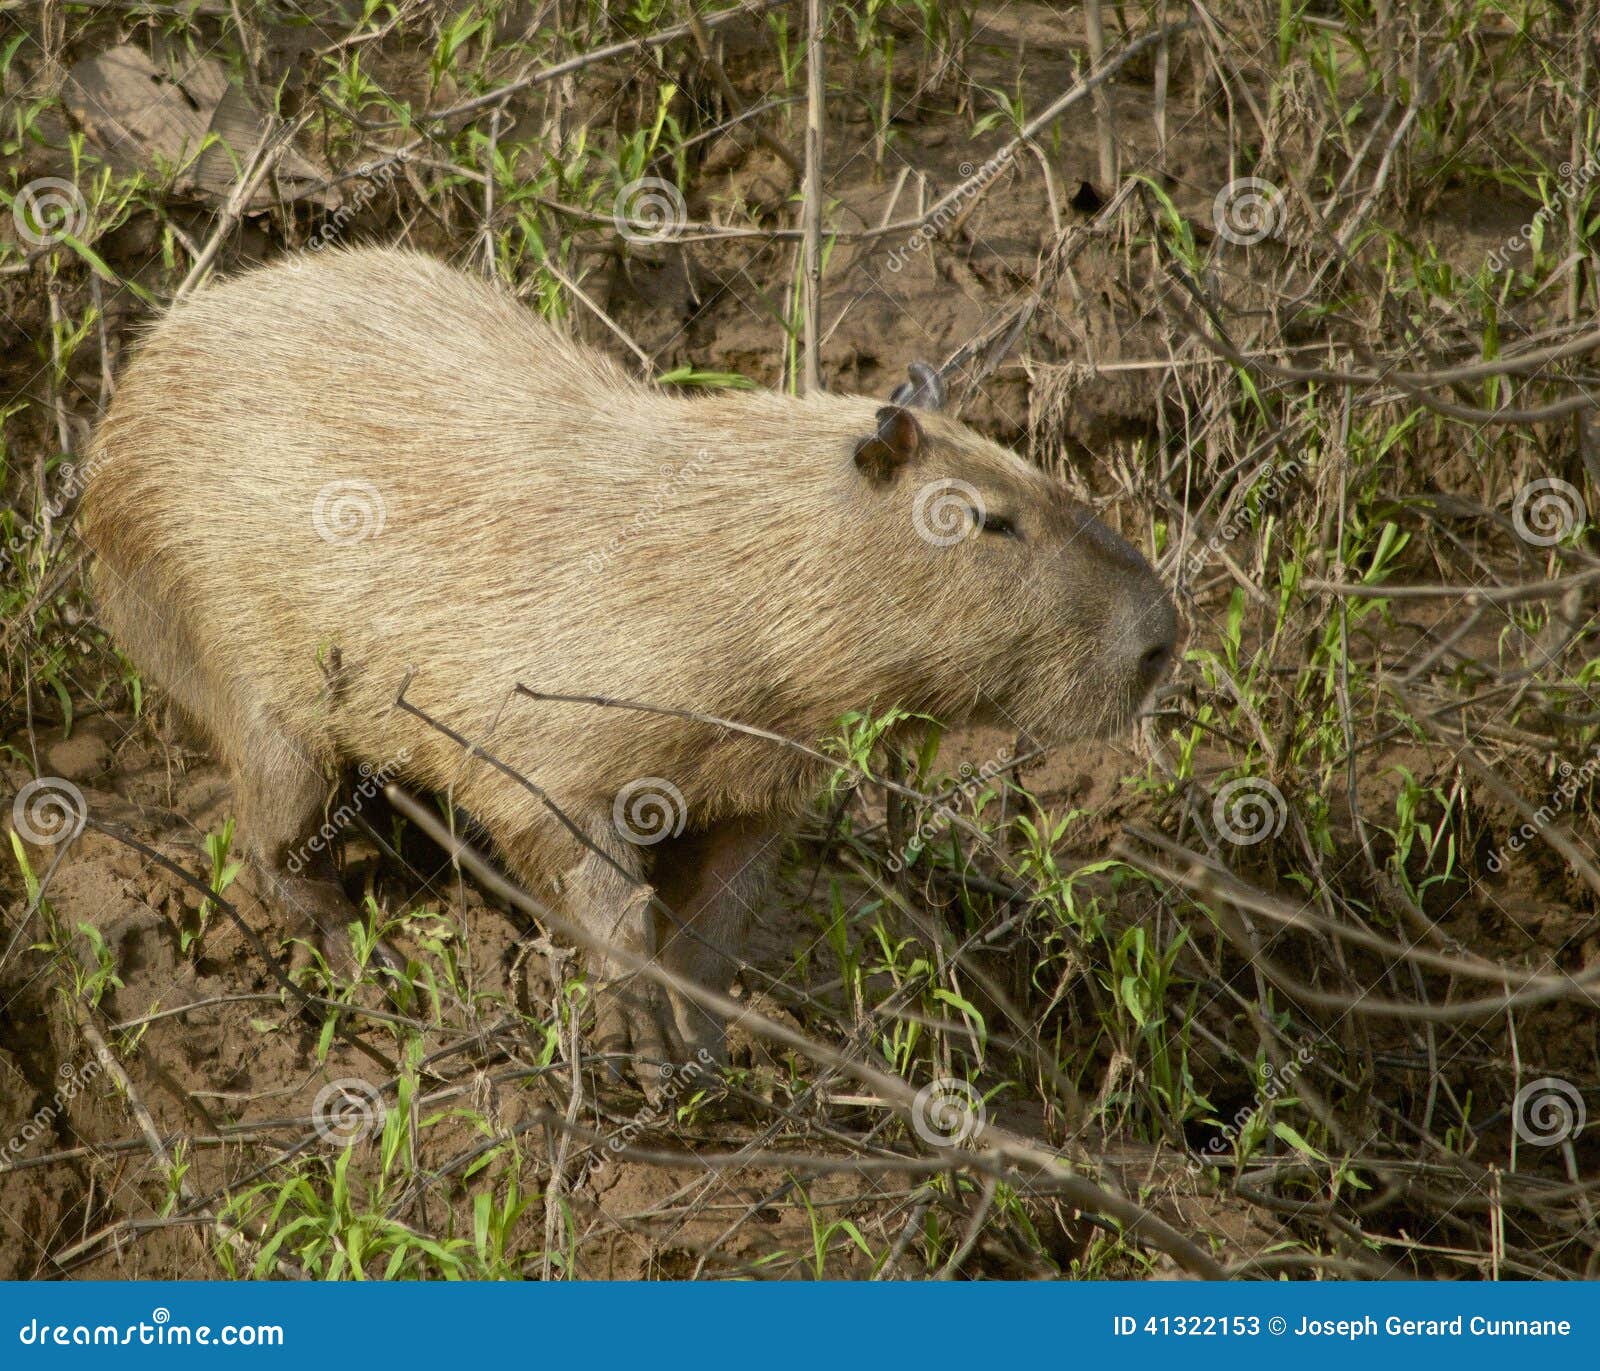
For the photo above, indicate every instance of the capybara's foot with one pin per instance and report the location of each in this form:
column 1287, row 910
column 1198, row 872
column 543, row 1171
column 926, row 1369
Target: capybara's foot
column 635, row 1027
column 320, row 916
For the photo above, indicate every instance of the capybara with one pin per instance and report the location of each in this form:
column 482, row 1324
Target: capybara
column 321, row 476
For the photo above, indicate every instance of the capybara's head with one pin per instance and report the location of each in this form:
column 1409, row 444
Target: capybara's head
column 1028, row 606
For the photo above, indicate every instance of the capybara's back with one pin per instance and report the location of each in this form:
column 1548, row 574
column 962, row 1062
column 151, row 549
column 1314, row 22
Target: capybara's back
column 320, row 479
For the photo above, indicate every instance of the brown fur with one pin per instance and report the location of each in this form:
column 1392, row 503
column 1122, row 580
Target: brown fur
column 547, row 520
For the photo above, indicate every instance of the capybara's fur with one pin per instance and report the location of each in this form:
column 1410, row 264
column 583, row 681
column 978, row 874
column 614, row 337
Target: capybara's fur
column 321, row 476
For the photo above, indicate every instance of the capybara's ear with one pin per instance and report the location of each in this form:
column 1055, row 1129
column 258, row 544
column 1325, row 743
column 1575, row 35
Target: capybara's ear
column 897, row 441
column 925, row 389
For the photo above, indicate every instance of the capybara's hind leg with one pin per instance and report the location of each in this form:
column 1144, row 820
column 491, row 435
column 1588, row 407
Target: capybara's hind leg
column 279, row 791
column 279, row 797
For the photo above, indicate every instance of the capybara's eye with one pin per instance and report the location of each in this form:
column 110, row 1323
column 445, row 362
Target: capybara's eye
column 999, row 525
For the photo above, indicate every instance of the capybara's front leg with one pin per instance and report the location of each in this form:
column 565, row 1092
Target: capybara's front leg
column 711, row 883
column 607, row 895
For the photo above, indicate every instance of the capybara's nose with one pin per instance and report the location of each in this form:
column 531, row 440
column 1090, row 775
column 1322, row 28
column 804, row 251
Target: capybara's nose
column 1154, row 640
column 1157, row 658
